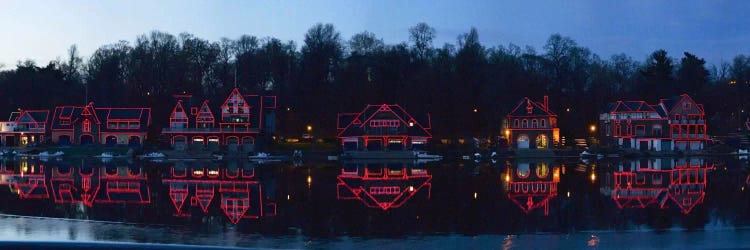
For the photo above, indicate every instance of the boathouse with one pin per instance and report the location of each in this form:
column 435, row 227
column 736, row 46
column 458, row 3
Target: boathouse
column 676, row 123
column 25, row 127
column 86, row 125
column 385, row 127
column 532, row 125
column 242, row 119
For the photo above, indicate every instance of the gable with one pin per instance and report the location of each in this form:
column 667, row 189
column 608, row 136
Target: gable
column 384, row 115
column 178, row 112
column 235, row 98
column 26, row 118
column 527, row 107
column 205, row 111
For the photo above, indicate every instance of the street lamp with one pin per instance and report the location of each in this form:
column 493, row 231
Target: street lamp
column 309, row 128
column 592, row 128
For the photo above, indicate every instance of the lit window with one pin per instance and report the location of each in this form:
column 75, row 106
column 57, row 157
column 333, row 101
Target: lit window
column 86, row 126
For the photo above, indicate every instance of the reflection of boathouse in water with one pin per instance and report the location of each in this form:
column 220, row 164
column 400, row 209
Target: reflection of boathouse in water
column 658, row 182
column 531, row 185
column 239, row 194
column 383, row 185
column 77, row 185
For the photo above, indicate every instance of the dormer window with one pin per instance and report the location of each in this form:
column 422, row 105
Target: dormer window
column 65, row 121
column 86, row 126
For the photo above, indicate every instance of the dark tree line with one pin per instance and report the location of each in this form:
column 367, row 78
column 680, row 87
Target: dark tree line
column 467, row 86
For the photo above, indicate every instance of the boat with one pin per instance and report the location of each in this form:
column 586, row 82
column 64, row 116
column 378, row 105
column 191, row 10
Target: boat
column 266, row 157
column 153, row 155
column 587, row 154
column 46, row 154
column 425, row 155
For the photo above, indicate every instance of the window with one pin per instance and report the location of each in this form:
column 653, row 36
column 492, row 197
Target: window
column 686, row 106
column 656, row 130
column 534, row 123
column 384, row 123
column 525, row 123
column 193, row 111
column 677, row 117
column 87, row 126
column 65, row 121
column 542, row 123
column 111, row 125
column 516, row 123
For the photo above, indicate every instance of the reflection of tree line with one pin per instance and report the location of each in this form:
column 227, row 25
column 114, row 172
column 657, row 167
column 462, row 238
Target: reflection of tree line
column 238, row 194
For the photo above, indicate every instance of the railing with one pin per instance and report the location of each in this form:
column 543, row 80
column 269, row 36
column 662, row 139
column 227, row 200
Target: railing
column 688, row 136
column 31, row 130
column 209, row 130
column 677, row 122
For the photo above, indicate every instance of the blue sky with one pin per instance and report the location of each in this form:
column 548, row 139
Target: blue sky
column 714, row 30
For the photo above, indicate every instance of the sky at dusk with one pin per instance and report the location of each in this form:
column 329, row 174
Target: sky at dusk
column 715, row 30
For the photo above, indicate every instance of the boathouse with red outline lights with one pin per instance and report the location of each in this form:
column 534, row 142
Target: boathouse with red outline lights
column 532, row 185
column 24, row 127
column 85, row 125
column 383, row 127
column 241, row 122
column 532, row 125
column 676, row 123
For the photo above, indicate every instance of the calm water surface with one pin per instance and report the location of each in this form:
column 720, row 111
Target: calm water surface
column 510, row 204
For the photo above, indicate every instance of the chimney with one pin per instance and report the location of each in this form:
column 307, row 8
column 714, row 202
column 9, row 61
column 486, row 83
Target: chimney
column 546, row 103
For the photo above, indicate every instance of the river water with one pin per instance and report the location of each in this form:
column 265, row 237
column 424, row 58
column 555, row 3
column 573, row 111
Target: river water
column 508, row 203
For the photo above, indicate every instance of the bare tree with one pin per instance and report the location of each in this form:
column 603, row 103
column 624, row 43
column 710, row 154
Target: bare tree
column 422, row 35
column 365, row 43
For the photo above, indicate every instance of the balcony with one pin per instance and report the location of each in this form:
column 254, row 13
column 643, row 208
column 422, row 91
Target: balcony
column 691, row 122
column 688, row 136
column 209, row 130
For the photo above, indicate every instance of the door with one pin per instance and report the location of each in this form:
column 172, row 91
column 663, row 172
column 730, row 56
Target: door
column 643, row 145
column 87, row 140
column 523, row 142
column 111, row 140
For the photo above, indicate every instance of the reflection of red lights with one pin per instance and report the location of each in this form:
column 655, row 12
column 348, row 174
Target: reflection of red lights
column 684, row 185
column 384, row 189
column 86, row 186
column 28, row 184
column 534, row 191
column 240, row 195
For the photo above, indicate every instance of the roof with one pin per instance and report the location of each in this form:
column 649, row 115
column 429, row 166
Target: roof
column 354, row 124
column 14, row 116
column 140, row 115
column 101, row 115
column 630, row 106
column 669, row 103
column 33, row 116
column 537, row 109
